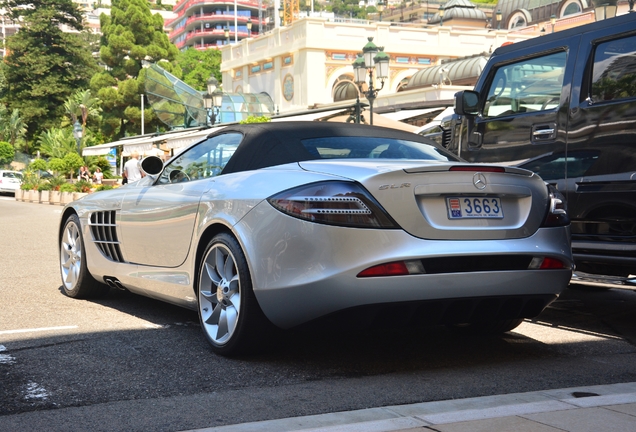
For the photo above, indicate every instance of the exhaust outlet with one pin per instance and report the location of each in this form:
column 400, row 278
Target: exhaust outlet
column 114, row 283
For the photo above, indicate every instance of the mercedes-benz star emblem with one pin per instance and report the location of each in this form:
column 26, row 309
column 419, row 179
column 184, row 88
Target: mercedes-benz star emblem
column 479, row 180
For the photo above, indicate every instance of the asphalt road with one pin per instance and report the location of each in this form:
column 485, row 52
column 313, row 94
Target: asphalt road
column 128, row 363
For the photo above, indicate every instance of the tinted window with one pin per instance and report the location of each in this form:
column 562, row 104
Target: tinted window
column 204, row 160
column 614, row 71
column 529, row 85
column 373, row 148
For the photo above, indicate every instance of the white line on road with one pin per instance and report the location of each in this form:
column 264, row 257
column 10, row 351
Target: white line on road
column 3, row 332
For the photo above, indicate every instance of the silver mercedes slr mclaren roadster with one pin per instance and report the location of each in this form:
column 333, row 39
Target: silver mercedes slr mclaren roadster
column 288, row 223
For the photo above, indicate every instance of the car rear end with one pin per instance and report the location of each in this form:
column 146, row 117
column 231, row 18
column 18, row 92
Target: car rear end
column 9, row 181
column 444, row 242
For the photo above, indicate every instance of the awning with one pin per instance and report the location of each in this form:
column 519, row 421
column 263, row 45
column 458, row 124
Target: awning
column 406, row 114
column 187, row 138
column 140, row 144
column 309, row 116
column 379, row 120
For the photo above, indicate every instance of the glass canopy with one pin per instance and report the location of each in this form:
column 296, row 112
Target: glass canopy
column 180, row 106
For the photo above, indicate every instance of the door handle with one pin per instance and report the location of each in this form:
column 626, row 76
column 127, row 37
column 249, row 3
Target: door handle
column 539, row 133
column 544, row 132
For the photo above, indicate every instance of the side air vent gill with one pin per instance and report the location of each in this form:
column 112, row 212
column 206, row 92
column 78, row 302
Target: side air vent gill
column 104, row 230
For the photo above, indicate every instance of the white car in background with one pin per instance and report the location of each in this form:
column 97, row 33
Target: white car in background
column 9, row 181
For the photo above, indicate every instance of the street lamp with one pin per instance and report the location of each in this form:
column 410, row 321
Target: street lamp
column 78, row 132
column 281, row 15
column 499, row 16
column 373, row 57
column 380, row 8
column 553, row 21
column 212, row 100
column 249, row 27
column 604, row 9
column 441, row 15
column 226, row 33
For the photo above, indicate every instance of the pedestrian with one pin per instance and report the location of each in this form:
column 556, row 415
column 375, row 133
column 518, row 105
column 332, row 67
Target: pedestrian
column 85, row 174
column 132, row 172
column 98, row 176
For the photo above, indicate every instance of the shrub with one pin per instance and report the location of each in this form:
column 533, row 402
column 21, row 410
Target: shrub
column 45, row 186
column 103, row 187
column 83, row 186
column 56, row 182
column 27, row 185
column 67, row 187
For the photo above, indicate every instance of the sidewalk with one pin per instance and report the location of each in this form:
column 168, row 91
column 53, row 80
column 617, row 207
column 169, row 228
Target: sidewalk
column 604, row 408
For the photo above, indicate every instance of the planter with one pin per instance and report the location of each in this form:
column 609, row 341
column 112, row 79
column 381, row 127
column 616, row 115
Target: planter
column 66, row 197
column 54, row 197
column 44, row 197
column 78, row 195
column 34, row 196
column 18, row 194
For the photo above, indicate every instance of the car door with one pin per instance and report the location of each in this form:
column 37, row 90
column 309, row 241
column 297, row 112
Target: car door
column 603, row 121
column 157, row 221
column 523, row 106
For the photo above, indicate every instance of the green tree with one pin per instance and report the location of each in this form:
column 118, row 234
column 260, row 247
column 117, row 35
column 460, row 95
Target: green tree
column 131, row 35
column 7, row 153
column 72, row 163
column 45, row 65
column 197, row 66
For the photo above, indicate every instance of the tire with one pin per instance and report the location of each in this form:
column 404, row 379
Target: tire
column 231, row 319
column 77, row 282
column 494, row 327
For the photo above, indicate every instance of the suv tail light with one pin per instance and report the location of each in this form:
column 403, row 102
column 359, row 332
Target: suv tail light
column 333, row 203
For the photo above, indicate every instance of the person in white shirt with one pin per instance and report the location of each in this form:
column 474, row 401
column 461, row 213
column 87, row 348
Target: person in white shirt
column 98, row 176
column 131, row 168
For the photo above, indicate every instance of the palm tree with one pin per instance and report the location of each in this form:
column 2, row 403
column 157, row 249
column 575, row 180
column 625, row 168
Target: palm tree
column 81, row 105
column 57, row 143
column 12, row 127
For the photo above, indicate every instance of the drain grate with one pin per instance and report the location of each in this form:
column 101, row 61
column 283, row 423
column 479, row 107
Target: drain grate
column 584, row 394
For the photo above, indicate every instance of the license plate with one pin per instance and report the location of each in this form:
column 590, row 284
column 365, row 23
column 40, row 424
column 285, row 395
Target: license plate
column 473, row 207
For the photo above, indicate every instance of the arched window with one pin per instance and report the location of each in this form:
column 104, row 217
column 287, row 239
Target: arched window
column 571, row 7
column 344, row 89
column 517, row 20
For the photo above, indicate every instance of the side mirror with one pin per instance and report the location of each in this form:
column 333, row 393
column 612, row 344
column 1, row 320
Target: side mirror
column 152, row 165
column 467, row 103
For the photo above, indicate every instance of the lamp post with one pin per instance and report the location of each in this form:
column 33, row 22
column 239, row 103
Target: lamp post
column 249, row 27
column 373, row 57
column 499, row 16
column 553, row 21
column 441, row 15
column 281, row 15
column 380, row 8
column 78, row 133
column 212, row 100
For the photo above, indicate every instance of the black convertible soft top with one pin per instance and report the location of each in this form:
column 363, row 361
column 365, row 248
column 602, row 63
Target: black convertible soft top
column 277, row 143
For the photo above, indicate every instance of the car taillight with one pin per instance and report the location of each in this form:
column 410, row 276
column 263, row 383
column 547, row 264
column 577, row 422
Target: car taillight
column 547, row 263
column 557, row 214
column 334, row 203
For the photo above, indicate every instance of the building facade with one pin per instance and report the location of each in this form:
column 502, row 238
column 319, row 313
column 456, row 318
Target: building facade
column 210, row 24
column 308, row 63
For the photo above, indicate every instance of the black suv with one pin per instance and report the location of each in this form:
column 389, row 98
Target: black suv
column 564, row 106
